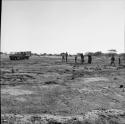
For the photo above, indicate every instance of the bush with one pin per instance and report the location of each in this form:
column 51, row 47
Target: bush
column 99, row 53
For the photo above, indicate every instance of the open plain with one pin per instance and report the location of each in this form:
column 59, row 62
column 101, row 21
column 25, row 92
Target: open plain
column 46, row 86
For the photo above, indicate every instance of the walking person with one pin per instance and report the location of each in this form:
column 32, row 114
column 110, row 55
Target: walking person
column 75, row 59
column 112, row 60
column 82, row 58
column 89, row 59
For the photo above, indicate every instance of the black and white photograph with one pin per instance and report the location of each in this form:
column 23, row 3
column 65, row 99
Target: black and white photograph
column 62, row 62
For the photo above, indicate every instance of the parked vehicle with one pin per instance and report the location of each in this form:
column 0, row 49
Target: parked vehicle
column 20, row 55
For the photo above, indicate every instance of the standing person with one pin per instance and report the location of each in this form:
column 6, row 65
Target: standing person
column 119, row 61
column 66, row 56
column 82, row 58
column 63, row 57
column 89, row 59
column 112, row 60
column 75, row 59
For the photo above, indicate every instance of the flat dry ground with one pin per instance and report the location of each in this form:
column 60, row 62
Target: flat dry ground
column 46, row 85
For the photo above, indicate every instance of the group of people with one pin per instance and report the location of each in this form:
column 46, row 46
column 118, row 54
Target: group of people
column 65, row 58
column 113, row 60
column 82, row 58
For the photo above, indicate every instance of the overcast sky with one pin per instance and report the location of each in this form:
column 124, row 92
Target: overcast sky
column 55, row 26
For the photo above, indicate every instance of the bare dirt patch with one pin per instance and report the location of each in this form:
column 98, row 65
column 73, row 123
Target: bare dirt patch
column 15, row 91
column 44, row 85
column 95, row 79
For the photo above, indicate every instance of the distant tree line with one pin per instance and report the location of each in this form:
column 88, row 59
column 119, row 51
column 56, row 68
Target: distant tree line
column 98, row 53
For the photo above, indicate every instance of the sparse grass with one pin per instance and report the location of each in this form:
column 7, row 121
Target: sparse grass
column 46, row 77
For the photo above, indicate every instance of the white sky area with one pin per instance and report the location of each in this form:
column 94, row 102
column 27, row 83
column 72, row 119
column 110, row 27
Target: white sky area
column 55, row 26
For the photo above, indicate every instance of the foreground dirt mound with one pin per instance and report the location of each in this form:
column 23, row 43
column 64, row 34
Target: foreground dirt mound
column 112, row 116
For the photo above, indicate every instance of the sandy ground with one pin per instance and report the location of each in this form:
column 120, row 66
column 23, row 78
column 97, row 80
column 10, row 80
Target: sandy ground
column 45, row 85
